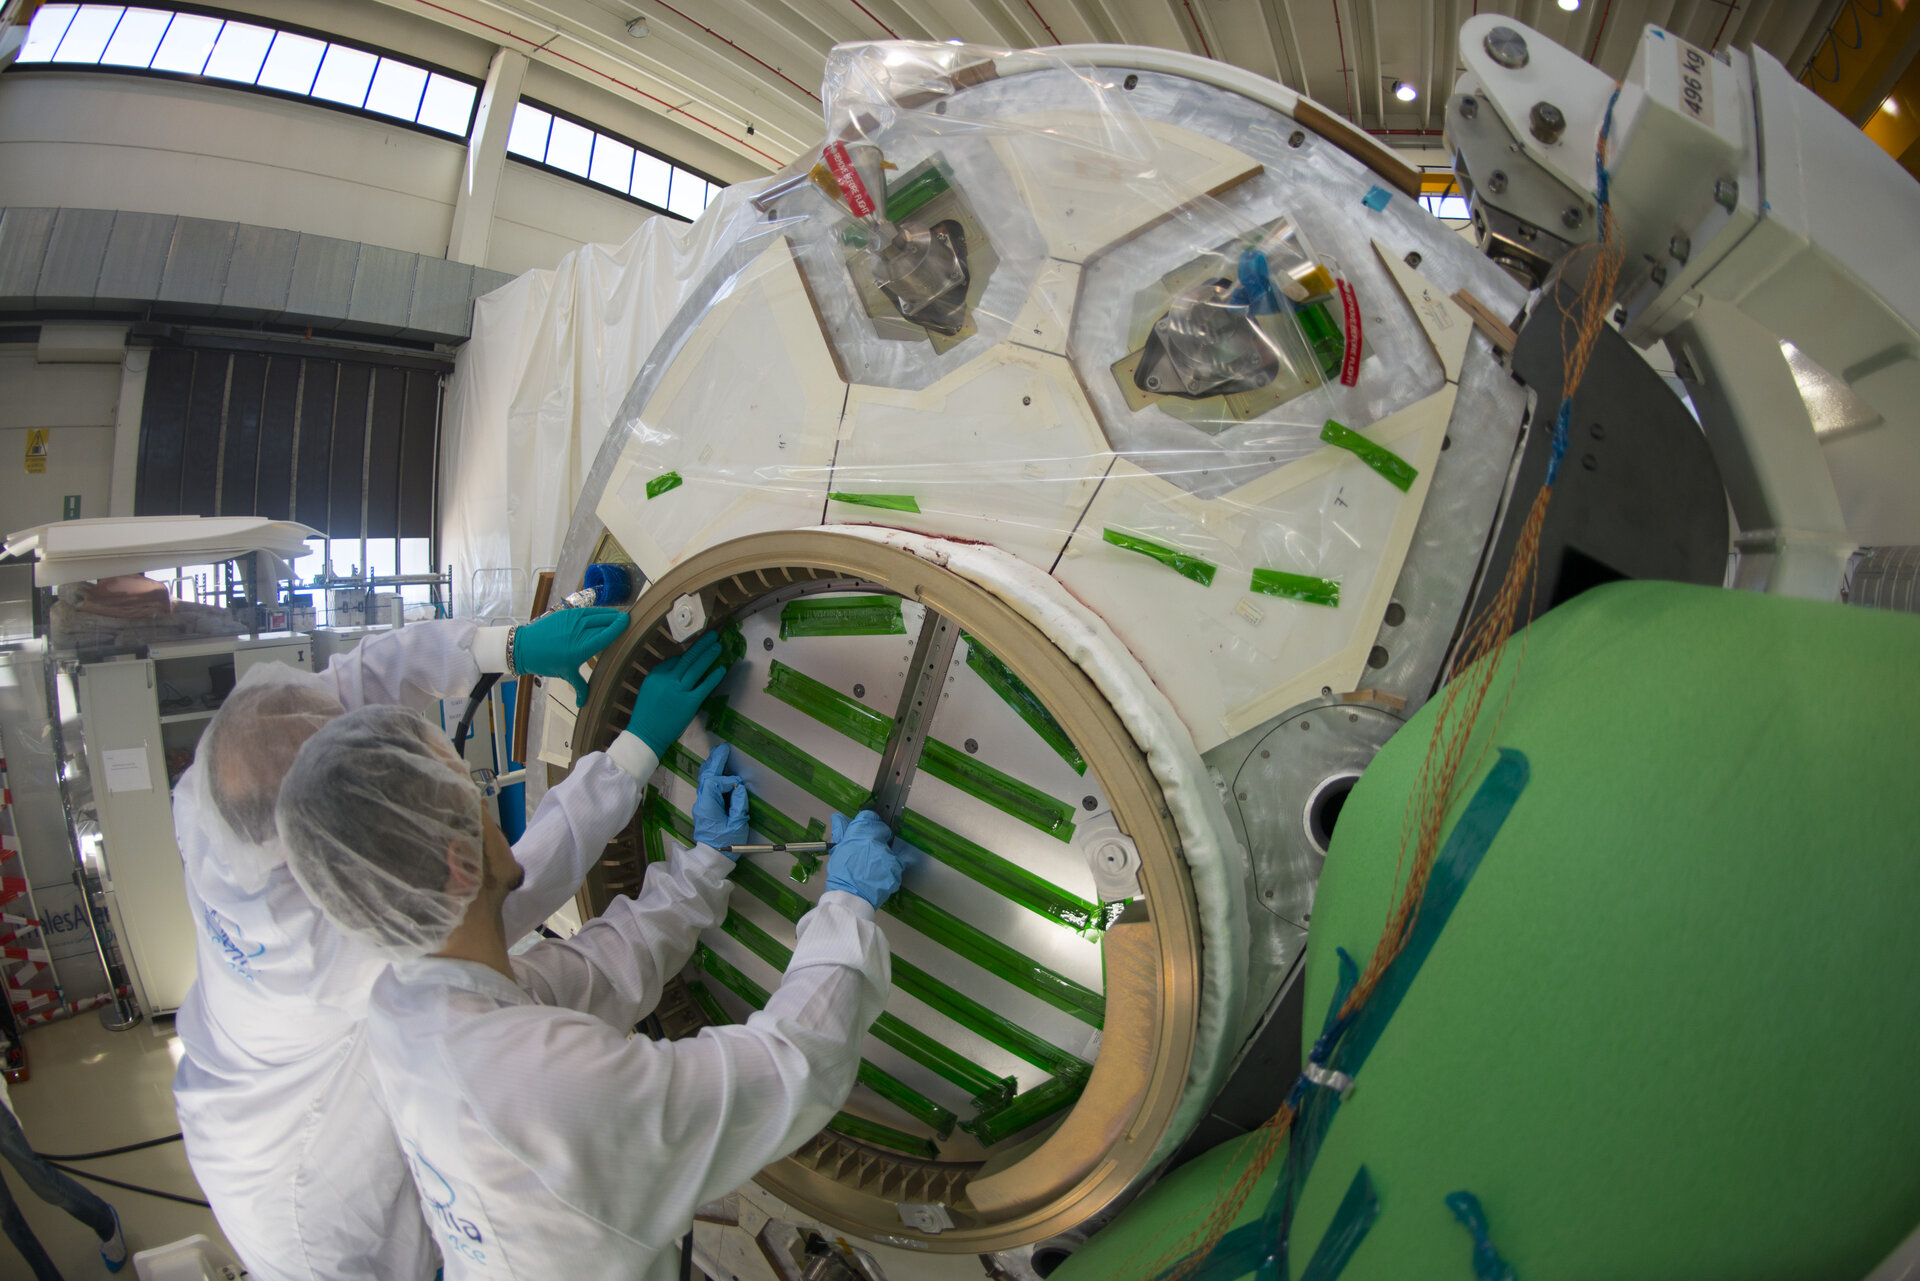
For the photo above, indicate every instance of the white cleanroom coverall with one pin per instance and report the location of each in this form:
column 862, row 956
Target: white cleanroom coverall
column 283, row 1130
column 546, row 1143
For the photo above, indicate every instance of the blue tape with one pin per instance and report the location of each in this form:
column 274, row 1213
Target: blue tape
column 1344, row 1044
column 1351, row 1222
column 1376, row 198
column 1255, row 288
column 1455, row 865
column 1487, row 1263
column 1562, row 433
column 1600, row 176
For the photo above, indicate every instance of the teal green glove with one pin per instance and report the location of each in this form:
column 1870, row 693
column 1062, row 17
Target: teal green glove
column 557, row 644
column 673, row 692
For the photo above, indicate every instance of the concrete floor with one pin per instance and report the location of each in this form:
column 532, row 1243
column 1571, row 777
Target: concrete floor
column 91, row 1089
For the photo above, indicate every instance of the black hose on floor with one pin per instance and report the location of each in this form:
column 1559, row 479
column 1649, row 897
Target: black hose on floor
column 89, row 1156
column 131, row 1187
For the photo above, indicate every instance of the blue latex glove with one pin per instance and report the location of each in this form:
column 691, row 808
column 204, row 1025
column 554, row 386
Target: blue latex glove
column 720, row 810
column 673, row 692
column 557, row 644
column 863, row 860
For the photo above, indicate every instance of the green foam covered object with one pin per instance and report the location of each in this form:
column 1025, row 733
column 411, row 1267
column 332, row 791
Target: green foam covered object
column 1672, row 1028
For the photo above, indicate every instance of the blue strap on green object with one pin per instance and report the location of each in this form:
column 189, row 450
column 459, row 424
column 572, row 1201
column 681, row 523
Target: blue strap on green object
column 1351, row 1222
column 1563, row 420
column 1345, row 1043
column 1487, row 1263
column 1247, row 1250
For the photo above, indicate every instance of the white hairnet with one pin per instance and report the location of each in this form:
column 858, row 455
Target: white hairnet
column 382, row 828
column 244, row 754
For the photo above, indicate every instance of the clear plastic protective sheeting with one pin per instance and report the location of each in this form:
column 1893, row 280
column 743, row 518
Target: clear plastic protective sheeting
column 1100, row 319
column 553, row 354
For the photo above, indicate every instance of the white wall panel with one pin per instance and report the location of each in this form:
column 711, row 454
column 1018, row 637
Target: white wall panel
column 538, row 217
column 100, row 141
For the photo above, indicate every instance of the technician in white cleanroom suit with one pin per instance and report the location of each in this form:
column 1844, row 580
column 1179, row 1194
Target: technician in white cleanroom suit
column 282, row 1127
column 545, row 1142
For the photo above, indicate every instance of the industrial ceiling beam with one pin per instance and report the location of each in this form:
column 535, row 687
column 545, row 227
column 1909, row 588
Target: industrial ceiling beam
column 687, row 83
column 1124, row 28
column 830, row 24
column 975, row 21
column 1019, row 23
column 1211, row 45
column 1748, row 32
column 1091, row 26
column 1376, row 74
column 1278, row 15
column 1176, row 30
column 761, row 36
column 1426, row 64
column 1449, row 41
column 1347, row 39
column 890, row 15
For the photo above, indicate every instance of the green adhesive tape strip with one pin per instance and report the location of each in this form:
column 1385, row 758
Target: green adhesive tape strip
column 709, row 1006
column 906, row 1098
column 1200, row 571
column 727, row 975
column 662, row 483
column 995, row 1124
column 887, row 502
column 1014, row 692
column 905, row 199
column 652, row 848
column 842, row 616
column 882, row 1136
column 943, row 761
column 733, row 644
column 1398, row 471
column 769, row 889
column 889, row 1029
column 829, row 706
column 847, row 797
column 1351, row 1222
column 940, row 925
column 658, row 818
column 681, row 760
column 878, row 1079
column 1002, row 791
column 1300, row 587
column 990, row 954
column 983, row 1022
column 783, row 758
column 917, row 983
column 985, row 1088
column 1006, row 878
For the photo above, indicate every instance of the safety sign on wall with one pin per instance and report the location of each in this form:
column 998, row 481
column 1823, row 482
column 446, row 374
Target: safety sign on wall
column 37, row 451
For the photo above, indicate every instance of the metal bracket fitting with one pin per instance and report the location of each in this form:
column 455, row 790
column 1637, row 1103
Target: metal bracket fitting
column 688, row 616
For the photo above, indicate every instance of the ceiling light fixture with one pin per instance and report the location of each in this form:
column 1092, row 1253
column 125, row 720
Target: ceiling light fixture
column 639, row 29
column 1569, row 5
column 1404, row 91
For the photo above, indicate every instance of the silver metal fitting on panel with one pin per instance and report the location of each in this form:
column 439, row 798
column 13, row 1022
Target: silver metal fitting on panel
column 1506, row 47
column 688, row 616
column 1547, row 122
column 1111, row 857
